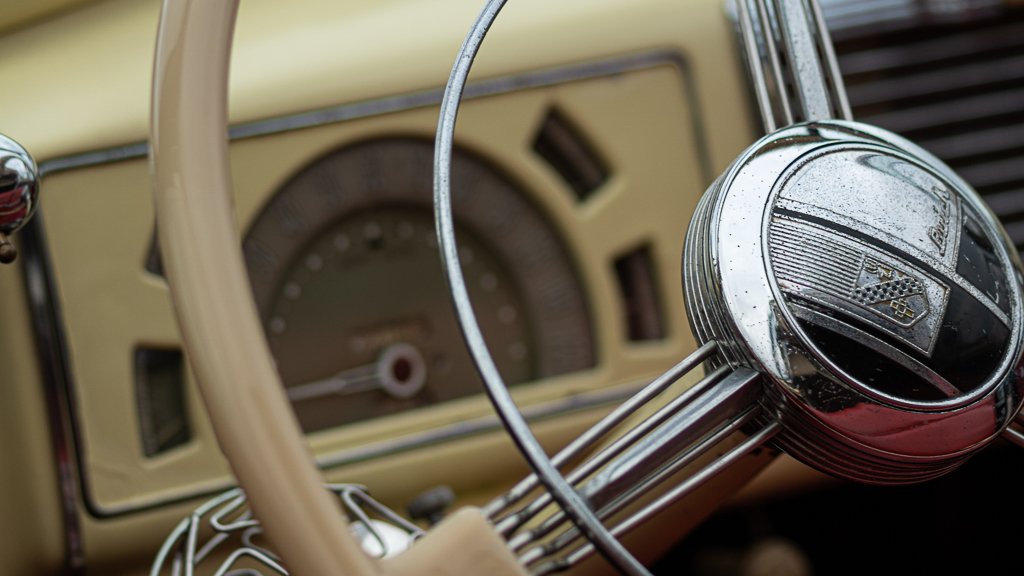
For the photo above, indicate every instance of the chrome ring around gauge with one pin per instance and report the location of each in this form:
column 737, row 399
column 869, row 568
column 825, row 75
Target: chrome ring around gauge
column 356, row 226
column 887, row 311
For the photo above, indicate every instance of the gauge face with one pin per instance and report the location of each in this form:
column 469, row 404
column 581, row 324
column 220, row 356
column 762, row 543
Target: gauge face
column 347, row 277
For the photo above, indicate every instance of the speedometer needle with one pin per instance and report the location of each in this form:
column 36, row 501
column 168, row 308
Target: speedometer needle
column 399, row 371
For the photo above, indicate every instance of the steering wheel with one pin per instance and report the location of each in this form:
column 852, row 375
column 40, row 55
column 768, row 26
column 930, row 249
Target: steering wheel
column 795, row 295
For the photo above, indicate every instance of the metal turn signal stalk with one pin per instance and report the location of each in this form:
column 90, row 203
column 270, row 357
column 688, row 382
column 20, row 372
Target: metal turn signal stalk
column 19, row 193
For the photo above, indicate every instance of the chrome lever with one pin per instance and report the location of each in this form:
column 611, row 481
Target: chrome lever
column 19, row 193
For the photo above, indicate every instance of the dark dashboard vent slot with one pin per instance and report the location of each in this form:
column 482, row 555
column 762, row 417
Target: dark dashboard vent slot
column 154, row 263
column 160, row 399
column 566, row 150
column 952, row 81
column 641, row 302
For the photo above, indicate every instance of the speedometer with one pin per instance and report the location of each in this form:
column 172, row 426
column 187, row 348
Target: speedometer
column 357, row 226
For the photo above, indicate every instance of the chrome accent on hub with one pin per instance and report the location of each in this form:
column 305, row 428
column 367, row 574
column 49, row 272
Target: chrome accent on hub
column 841, row 261
column 19, row 193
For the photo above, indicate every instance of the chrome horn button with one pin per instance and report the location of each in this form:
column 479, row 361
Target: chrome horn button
column 873, row 287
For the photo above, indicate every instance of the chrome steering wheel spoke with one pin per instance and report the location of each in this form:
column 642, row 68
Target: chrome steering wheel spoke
column 643, row 456
column 544, row 564
column 596, row 433
column 791, row 61
column 638, row 460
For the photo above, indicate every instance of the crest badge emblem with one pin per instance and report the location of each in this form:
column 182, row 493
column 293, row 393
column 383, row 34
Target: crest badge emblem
column 828, row 272
column 891, row 293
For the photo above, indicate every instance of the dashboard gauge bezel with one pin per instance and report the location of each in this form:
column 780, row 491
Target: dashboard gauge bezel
column 385, row 183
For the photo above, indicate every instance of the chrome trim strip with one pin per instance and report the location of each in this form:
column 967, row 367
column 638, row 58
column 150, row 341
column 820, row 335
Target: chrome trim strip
column 421, row 99
column 481, row 425
column 51, row 355
column 48, row 322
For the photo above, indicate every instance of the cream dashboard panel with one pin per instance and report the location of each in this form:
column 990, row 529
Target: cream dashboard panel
column 19, row 12
column 318, row 53
column 112, row 305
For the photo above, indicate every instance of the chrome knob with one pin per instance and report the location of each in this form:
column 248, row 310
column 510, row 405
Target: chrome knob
column 875, row 290
column 19, row 193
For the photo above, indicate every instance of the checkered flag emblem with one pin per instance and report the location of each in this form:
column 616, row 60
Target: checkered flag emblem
column 889, row 292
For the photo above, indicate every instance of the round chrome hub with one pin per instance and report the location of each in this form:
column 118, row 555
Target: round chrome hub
column 873, row 287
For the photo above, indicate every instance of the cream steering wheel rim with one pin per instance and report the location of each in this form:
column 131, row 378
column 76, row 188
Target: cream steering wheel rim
column 216, row 312
column 221, row 331
column 222, row 334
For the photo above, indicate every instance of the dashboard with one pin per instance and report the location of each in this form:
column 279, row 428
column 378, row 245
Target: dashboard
column 589, row 132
